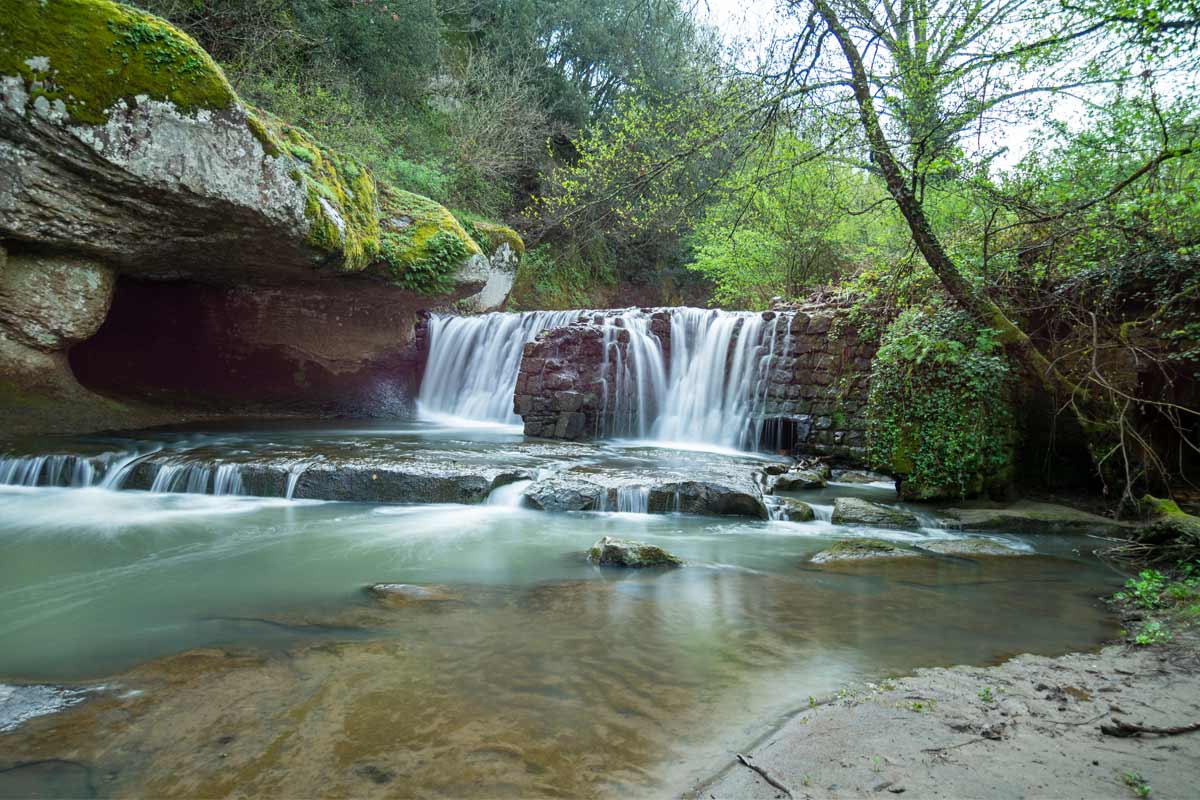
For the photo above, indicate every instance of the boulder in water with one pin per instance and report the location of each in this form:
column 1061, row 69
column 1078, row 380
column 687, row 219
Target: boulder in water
column 610, row 552
column 971, row 547
column 853, row 511
column 794, row 510
column 861, row 549
column 562, row 493
column 798, row 480
column 1026, row 516
column 859, row 476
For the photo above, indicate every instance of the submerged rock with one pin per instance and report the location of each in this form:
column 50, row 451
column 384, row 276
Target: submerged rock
column 1030, row 517
column 971, row 547
column 399, row 595
column 853, row 511
column 610, row 552
column 860, row 549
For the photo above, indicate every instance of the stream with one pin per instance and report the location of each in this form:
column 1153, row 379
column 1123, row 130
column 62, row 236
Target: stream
column 207, row 639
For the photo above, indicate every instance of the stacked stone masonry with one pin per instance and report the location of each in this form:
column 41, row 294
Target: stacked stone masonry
column 816, row 392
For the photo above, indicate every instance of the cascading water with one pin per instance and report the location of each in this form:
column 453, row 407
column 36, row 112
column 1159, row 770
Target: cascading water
column 707, row 386
column 710, row 388
column 473, row 363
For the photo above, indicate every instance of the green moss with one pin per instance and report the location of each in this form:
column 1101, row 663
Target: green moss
column 496, row 235
column 422, row 244
column 91, row 54
column 259, row 129
column 336, row 188
column 862, row 547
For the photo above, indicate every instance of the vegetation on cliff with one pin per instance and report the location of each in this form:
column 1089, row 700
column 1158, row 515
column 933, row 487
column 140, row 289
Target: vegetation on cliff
column 90, row 54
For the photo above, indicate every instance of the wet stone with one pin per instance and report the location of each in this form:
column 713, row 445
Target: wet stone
column 610, row 552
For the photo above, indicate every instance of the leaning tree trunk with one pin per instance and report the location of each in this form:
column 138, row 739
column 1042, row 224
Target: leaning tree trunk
column 1094, row 419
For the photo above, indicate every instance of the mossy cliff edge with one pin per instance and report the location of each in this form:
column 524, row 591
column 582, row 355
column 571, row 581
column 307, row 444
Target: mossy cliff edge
column 125, row 141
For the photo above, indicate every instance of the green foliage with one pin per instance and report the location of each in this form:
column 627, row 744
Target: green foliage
column 100, row 53
column 562, row 280
column 784, row 226
column 1152, row 633
column 1136, row 783
column 1144, row 590
column 939, row 411
column 432, row 272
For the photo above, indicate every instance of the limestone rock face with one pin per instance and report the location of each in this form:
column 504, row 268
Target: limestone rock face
column 51, row 302
column 120, row 138
column 853, row 511
column 610, row 552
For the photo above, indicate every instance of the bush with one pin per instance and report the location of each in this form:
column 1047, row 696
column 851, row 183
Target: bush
column 940, row 407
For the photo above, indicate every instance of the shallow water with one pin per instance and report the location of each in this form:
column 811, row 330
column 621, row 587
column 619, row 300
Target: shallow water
column 538, row 674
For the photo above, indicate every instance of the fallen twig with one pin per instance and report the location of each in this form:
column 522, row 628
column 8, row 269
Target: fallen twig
column 747, row 762
column 953, row 746
column 1122, row 728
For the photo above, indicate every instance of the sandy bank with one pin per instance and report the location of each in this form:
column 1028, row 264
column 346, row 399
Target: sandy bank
column 1026, row 728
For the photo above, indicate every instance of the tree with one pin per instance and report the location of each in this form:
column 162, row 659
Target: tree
column 936, row 83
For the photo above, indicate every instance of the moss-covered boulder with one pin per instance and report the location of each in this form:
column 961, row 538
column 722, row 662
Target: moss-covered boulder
column 610, row 552
column 120, row 138
column 854, row 511
column 797, row 480
column 860, row 550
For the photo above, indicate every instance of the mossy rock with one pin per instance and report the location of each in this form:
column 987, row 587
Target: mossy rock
column 861, row 549
column 422, row 245
column 610, row 552
column 341, row 203
column 854, row 511
column 1167, row 522
column 88, row 55
column 495, row 235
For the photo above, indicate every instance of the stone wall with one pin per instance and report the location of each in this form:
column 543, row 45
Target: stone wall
column 815, row 398
column 817, row 390
column 559, row 392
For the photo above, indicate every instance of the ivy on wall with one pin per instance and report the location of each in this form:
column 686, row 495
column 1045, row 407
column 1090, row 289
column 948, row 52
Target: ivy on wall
column 939, row 412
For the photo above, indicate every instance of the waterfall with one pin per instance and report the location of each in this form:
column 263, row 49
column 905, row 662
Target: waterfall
column 709, row 389
column 703, row 382
column 473, row 363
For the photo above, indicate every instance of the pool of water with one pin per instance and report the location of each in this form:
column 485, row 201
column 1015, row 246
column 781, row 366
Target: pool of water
column 535, row 673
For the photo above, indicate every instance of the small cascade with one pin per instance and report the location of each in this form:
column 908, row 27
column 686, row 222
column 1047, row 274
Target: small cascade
column 294, row 473
column 510, row 495
column 63, row 470
column 225, row 479
column 473, row 363
column 633, row 500
column 776, row 509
